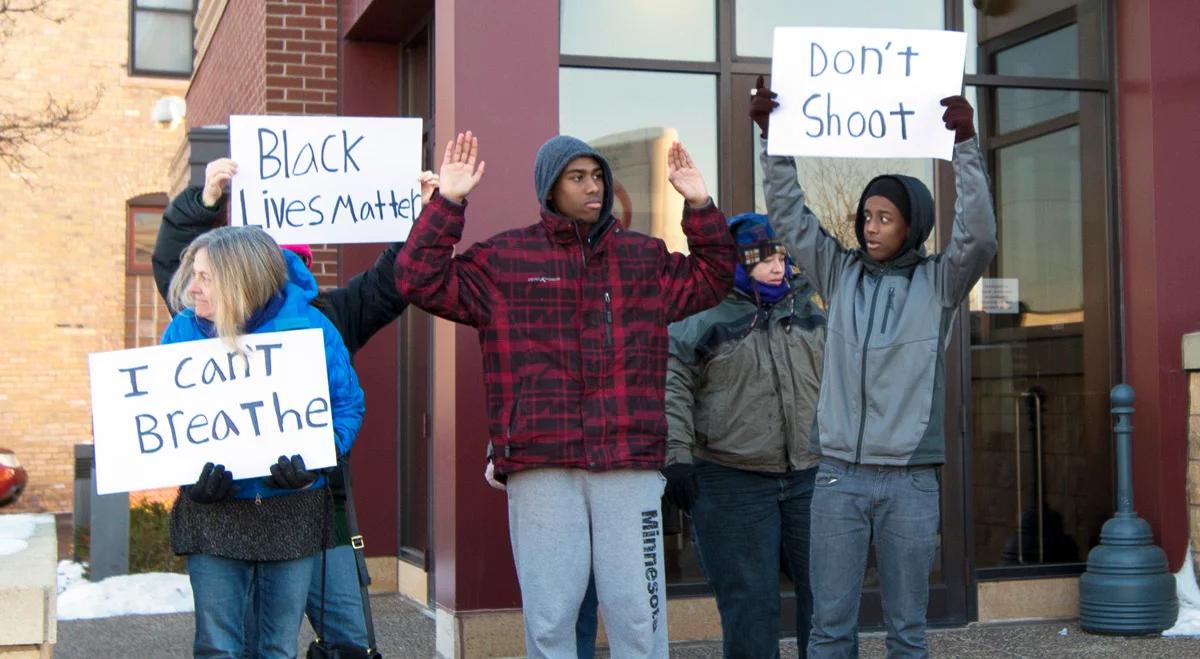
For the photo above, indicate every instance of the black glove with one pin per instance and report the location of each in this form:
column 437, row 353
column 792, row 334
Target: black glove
column 290, row 474
column 681, row 485
column 215, row 484
column 958, row 117
column 761, row 105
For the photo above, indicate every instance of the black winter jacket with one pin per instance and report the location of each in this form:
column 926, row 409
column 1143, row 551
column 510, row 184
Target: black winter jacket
column 360, row 309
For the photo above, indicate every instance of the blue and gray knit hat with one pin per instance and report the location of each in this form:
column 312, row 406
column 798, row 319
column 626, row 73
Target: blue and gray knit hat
column 755, row 239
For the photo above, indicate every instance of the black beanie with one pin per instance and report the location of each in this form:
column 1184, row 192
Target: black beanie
column 893, row 190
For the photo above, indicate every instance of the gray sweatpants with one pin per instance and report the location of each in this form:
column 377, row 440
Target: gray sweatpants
column 567, row 522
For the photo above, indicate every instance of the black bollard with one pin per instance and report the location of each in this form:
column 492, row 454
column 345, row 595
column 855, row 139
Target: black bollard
column 1127, row 589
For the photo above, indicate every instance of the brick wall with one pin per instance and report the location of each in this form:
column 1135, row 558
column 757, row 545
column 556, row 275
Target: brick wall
column 64, row 231
column 275, row 57
column 301, row 57
column 229, row 73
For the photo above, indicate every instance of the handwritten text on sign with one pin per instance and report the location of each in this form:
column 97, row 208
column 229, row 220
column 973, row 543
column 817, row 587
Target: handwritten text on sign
column 864, row 93
column 160, row 413
column 326, row 179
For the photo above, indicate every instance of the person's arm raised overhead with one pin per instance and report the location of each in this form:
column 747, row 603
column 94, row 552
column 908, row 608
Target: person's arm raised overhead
column 193, row 212
column 700, row 280
column 973, row 237
column 428, row 274
column 820, row 255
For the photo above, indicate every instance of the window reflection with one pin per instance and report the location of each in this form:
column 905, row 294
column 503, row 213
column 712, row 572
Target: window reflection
column 1055, row 55
column 1039, row 366
column 663, row 29
column 755, row 20
column 632, row 117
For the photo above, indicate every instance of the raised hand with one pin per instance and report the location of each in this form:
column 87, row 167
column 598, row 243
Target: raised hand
column 684, row 176
column 762, row 103
column 217, row 175
column 459, row 174
column 958, row 117
column 429, row 183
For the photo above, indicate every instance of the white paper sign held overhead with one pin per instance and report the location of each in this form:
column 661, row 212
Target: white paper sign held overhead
column 864, row 93
column 312, row 180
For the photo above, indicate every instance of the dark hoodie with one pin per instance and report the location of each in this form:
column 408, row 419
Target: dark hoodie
column 573, row 324
column 920, row 224
column 552, row 158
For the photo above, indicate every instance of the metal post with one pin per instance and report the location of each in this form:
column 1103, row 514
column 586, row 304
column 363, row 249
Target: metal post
column 1017, row 461
column 109, row 549
column 1127, row 588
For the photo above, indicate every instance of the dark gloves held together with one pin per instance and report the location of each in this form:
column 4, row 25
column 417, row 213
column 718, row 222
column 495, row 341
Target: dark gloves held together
column 959, row 117
column 290, row 474
column 761, row 104
column 681, row 485
column 215, row 484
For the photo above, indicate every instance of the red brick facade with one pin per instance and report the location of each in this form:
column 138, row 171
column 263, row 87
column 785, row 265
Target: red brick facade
column 274, row 57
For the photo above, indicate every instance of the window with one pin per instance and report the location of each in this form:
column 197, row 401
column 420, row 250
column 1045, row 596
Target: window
column 161, row 33
column 145, row 313
column 142, row 218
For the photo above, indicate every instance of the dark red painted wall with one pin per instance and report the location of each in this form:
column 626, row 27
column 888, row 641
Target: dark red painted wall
column 497, row 75
column 1158, row 87
column 368, row 79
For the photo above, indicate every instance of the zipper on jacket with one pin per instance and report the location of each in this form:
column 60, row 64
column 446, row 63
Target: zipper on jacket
column 582, row 249
column 787, row 426
column 862, row 412
column 608, row 321
column 887, row 311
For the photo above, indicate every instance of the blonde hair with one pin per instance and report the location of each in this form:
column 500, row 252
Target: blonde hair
column 247, row 270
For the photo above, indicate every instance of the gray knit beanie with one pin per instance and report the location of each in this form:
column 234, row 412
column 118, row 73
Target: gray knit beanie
column 554, row 156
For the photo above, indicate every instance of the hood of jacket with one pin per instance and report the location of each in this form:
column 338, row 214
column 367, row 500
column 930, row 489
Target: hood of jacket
column 300, row 278
column 552, row 158
column 920, row 223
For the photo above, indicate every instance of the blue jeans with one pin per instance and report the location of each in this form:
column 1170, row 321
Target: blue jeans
column 898, row 506
column 344, row 620
column 586, row 623
column 221, row 590
column 743, row 521
column 345, row 623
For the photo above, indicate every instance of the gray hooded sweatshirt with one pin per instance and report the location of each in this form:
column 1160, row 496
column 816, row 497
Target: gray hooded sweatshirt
column 882, row 397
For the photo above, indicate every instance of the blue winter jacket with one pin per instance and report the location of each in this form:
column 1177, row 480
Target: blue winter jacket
column 296, row 312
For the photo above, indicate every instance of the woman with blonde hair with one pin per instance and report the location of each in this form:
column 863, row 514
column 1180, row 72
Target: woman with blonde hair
column 263, row 532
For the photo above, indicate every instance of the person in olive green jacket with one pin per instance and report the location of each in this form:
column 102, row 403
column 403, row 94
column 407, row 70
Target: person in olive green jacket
column 743, row 381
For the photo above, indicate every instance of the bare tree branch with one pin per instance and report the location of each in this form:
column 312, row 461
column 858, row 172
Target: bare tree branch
column 24, row 131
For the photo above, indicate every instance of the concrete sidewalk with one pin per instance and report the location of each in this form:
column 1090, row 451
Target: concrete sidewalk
column 407, row 631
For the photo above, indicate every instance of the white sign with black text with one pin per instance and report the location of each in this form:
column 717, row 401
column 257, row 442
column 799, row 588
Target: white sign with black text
column 308, row 180
column 864, row 93
column 160, row 413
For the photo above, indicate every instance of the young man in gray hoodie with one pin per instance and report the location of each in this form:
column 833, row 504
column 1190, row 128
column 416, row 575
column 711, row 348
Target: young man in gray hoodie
column 880, row 414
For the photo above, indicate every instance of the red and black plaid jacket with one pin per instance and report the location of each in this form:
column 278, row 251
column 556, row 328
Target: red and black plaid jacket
column 574, row 338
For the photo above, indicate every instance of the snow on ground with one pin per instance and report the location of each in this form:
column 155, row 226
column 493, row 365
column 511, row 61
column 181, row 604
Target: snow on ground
column 154, row 592
column 1188, row 622
column 15, row 531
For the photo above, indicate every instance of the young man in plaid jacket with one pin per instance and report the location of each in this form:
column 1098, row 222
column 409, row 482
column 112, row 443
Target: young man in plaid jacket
column 572, row 315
